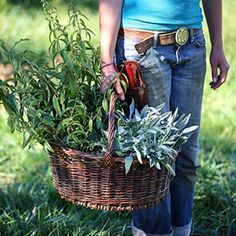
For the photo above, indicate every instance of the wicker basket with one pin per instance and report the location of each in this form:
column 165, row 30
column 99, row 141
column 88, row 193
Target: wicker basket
column 100, row 182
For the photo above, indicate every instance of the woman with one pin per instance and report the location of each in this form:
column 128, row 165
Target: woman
column 167, row 40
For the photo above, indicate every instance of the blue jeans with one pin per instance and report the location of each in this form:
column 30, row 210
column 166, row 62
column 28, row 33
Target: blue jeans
column 174, row 75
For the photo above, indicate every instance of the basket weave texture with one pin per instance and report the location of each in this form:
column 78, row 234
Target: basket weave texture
column 100, row 182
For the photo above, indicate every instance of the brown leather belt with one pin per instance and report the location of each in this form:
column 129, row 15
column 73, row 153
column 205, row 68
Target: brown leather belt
column 146, row 38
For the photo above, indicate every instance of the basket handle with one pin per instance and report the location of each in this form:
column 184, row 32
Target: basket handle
column 109, row 159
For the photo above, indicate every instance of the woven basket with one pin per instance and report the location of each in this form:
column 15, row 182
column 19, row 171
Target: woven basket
column 100, row 182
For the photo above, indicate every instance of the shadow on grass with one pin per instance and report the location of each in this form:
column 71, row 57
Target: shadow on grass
column 32, row 206
column 215, row 196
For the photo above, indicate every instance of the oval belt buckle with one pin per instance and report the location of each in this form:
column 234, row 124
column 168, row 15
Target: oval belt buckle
column 181, row 36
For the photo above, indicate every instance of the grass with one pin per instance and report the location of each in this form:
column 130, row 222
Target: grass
column 29, row 204
column 18, row 21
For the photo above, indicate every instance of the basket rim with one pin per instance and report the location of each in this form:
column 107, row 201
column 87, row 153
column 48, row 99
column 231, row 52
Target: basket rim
column 75, row 152
column 71, row 151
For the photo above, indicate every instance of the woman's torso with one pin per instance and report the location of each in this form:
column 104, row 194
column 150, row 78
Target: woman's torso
column 161, row 14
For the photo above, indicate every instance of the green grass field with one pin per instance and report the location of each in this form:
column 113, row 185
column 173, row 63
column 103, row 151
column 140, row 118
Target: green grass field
column 29, row 204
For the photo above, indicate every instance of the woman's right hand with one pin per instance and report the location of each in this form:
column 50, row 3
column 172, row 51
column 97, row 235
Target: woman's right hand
column 110, row 21
column 109, row 74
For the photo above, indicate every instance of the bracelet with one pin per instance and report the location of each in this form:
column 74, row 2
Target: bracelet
column 107, row 64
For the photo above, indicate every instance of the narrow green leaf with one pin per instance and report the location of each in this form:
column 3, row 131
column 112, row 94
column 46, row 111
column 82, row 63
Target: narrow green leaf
column 73, row 86
column 157, row 164
column 53, row 74
column 56, row 105
column 186, row 119
column 170, row 169
column 11, row 100
column 11, row 122
column 128, row 163
column 26, row 141
column 91, row 124
column 62, row 98
column 105, row 105
column 139, row 156
column 189, row 129
column 124, row 86
column 131, row 109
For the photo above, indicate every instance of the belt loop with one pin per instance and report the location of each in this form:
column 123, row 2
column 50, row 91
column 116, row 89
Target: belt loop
column 191, row 35
column 155, row 42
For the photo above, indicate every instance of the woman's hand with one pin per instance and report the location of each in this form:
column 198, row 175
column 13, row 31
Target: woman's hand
column 218, row 61
column 110, row 21
column 109, row 74
column 213, row 13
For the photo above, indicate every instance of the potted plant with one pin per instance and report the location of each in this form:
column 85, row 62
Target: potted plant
column 58, row 104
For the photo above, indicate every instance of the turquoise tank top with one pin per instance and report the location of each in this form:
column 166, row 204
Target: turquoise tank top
column 161, row 14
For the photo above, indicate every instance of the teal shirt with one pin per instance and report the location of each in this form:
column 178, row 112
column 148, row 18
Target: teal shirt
column 161, row 14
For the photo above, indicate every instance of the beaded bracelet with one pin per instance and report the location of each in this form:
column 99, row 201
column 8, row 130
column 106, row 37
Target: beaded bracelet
column 107, row 64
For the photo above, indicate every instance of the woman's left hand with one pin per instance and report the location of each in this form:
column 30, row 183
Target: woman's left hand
column 219, row 62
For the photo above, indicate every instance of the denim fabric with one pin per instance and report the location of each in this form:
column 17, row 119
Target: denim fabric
column 138, row 232
column 174, row 75
column 184, row 230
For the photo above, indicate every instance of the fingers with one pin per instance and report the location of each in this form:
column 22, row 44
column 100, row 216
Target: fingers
column 214, row 72
column 221, row 78
column 116, row 85
column 107, row 78
column 118, row 89
column 104, row 85
column 108, row 74
column 219, row 67
column 223, row 73
column 214, row 75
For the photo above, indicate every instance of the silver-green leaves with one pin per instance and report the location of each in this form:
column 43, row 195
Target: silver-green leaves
column 128, row 163
column 151, row 134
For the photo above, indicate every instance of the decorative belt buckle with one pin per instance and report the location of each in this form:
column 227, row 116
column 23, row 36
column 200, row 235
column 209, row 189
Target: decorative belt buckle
column 181, row 36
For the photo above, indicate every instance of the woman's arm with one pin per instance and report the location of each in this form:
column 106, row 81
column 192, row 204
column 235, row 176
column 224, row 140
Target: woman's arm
column 213, row 13
column 110, row 19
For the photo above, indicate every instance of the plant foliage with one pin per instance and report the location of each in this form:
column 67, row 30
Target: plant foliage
column 60, row 101
column 150, row 134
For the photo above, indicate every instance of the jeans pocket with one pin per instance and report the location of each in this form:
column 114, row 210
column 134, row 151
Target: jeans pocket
column 199, row 39
column 145, row 55
column 125, row 50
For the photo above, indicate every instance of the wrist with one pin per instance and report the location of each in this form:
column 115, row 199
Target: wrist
column 103, row 65
column 108, row 68
column 217, row 44
column 106, row 57
column 217, row 49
